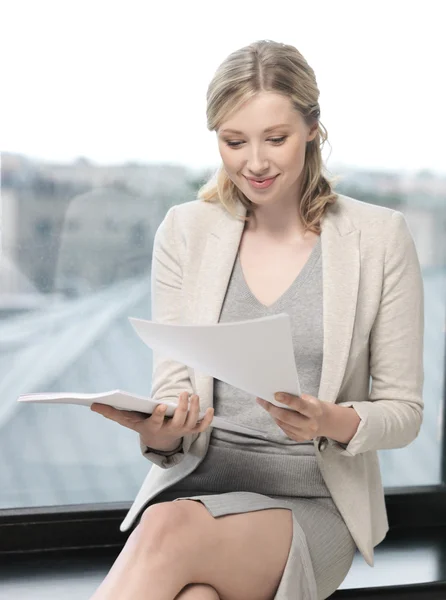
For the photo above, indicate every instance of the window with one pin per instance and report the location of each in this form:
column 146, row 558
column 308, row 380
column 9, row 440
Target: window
column 73, row 225
column 138, row 234
column 43, row 228
column 77, row 233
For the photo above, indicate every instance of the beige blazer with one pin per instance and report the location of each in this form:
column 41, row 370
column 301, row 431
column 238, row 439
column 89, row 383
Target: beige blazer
column 372, row 353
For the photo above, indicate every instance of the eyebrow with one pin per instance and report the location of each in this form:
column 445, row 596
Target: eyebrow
column 264, row 131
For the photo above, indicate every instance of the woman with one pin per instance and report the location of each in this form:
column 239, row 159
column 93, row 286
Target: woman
column 230, row 516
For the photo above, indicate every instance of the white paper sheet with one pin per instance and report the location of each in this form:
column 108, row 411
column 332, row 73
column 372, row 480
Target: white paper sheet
column 255, row 356
column 126, row 401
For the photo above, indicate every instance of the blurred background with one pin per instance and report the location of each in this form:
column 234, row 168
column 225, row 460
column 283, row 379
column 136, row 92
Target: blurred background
column 103, row 129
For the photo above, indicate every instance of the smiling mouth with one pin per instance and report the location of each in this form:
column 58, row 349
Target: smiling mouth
column 264, row 184
column 261, row 180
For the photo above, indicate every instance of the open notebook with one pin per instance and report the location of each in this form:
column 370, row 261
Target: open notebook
column 126, row 401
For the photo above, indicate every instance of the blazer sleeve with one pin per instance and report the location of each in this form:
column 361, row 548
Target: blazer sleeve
column 392, row 415
column 169, row 378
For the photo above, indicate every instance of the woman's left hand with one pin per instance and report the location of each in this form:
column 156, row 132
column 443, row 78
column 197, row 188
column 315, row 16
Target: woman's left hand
column 306, row 420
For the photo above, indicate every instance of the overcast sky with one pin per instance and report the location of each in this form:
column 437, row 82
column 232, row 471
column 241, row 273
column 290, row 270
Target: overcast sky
column 118, row 81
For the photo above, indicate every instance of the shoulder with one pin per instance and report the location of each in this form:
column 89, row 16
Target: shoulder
column 199, row 213
column 195, row 214
column 377, row 222
column 188, row 224
column 358, row 213
column 195, row 219
column 384, row 231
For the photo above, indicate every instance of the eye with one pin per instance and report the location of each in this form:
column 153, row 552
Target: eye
column 276, row 141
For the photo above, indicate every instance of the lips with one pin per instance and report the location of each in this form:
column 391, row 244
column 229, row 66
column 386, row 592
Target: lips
column 261, row 180
column 263, row 184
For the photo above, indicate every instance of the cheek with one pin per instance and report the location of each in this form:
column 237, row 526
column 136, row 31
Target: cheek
column 230, row 161
column 295, row 156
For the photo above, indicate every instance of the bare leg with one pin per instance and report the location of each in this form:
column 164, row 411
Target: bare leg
column 143, row 571
column 198, row 591
column 241, row 556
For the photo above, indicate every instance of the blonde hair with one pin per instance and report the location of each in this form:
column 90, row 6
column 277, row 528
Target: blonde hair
column 269, row 66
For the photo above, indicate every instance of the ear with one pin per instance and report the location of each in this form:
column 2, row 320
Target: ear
column 312, row 132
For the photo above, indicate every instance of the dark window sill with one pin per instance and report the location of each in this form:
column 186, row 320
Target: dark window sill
column 85, row 526
column 409, row 565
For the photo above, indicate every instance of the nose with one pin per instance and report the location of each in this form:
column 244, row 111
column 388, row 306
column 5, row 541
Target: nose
column 257, row 161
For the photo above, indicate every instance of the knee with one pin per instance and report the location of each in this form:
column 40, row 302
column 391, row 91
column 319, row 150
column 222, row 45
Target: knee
column 165, row 525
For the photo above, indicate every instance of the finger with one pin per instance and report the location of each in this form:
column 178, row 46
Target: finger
column 315, row 406
column 206, row 421
column 157, row 417
column 306, row 405
column 294, row 434
column 111, row 412
column 192, row 422
column 179, row 416
column 304, row 433
column 103, row 409
column 125, row 418
column 285, row 429
column 292, row 418
column 192, row 412
column 96, row 407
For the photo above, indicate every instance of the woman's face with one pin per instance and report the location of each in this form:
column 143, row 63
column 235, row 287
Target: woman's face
column 253, row 150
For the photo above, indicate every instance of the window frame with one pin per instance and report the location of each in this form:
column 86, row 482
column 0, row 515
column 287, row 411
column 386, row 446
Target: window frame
column 96, row 526
column 443, row 424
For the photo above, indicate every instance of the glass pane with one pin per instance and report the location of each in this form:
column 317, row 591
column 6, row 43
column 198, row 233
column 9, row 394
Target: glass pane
column 101, row 139
column 75, row 265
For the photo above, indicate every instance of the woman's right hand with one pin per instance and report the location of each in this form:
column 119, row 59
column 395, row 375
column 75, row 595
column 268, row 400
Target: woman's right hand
column 156, row 431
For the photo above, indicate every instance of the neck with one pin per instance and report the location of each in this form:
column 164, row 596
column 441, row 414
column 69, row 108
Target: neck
column 278, row 222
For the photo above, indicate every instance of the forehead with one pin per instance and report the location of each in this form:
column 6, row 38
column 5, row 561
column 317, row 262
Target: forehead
column 262, row 112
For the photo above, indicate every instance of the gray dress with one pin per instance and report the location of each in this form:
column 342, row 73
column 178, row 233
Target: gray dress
column 242, row 473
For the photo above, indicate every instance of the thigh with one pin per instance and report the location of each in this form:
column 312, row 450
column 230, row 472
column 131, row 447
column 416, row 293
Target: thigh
column 241, row 555
column 255, row 547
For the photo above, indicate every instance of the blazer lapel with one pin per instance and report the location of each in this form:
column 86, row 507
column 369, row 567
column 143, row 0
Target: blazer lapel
column 217, row 262
column 216, row 265
column 341, row 270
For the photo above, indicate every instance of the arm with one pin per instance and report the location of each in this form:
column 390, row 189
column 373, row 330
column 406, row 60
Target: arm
column 169, row 378
column 392, row 416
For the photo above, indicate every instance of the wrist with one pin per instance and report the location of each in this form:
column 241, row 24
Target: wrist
column 339, row 423
column 166, row 447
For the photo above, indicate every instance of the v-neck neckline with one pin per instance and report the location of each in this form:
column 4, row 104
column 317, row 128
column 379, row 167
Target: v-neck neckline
column 295, row 284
